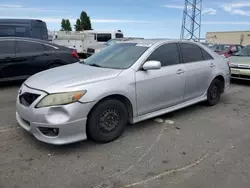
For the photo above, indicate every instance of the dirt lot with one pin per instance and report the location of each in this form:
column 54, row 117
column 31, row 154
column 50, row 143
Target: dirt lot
column 201, row 147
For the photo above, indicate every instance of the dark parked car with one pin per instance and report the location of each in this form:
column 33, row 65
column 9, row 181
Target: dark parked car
column 23, row 57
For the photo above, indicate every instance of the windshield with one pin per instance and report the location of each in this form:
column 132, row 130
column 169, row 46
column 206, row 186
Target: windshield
column 111, row 42
column 118, row 56
column 220, row 47
column 244, row 52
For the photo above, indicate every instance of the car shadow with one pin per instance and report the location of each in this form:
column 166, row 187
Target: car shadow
column 11, row 84
column 61, row 149
column 85, row 146
column 241, row 82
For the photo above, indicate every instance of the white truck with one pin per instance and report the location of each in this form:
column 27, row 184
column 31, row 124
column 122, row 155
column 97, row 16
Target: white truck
column 82, row 40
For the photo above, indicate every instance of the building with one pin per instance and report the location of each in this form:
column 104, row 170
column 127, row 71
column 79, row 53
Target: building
column 229, row 37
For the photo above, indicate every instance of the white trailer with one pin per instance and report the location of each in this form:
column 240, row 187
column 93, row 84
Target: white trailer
column 103, row 36
column 76, row 40
column 82, row 40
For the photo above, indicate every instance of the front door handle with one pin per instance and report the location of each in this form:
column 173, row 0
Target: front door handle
column 180, row 71
column 212, row 65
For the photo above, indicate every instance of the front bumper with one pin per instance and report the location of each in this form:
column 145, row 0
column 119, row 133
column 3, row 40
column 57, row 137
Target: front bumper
column 241, row 74
column 70, row 120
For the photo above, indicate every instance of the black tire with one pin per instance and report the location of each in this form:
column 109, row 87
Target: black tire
column 214, row 92
column 107, row 121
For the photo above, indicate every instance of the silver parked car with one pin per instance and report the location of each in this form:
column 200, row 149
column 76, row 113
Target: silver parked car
column 126, row 82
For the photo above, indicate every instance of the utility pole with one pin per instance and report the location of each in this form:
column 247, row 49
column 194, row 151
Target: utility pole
column 191, row 23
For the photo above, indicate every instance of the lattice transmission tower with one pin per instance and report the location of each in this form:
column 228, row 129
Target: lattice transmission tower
column 191, row 23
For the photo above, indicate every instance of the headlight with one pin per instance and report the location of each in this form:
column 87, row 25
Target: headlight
column 60, row 99
column 232, row 65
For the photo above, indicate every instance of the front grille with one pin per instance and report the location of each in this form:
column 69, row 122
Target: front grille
column 90, row 50
column 28, row 98
column 240, row 68
column 240, row 76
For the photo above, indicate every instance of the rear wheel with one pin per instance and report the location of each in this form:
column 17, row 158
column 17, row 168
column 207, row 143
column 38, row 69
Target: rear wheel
column 214, row 92
column 107, row 121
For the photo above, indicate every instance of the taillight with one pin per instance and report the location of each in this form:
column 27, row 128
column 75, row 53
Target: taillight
column 74, row 54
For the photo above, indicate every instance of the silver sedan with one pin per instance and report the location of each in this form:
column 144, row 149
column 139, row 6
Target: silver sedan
column 126, row 82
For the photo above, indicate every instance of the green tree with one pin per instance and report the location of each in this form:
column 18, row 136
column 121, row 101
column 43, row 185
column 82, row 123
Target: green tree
column 89, row 24
column 65, row 25
column 78, row 25
column 68, row 25
column 85, row 21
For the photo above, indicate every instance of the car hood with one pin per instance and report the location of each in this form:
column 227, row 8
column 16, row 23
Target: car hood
column 70, row 77
column 97, row 46
column 239, row 60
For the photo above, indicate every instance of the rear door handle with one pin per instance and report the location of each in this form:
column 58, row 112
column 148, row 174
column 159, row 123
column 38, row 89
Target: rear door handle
column 45, row 54
column 180, row 71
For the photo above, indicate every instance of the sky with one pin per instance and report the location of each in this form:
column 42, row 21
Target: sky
column 138, row 18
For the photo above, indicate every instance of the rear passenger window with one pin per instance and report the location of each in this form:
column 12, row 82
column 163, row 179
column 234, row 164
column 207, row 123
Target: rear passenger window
column 7, row 47
column 28, row 47
column 191, row 53
column 206, row 56
column 167, row 54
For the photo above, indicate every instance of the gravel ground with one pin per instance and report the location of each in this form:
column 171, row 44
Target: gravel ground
column 197, row 147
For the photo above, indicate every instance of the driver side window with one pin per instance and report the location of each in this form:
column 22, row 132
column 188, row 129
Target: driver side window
column 167, row 54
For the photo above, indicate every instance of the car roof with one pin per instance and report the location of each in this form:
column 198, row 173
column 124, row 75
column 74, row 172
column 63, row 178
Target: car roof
column 32, row 39
column 157, row 41
column 23, row 38
column 19, row 21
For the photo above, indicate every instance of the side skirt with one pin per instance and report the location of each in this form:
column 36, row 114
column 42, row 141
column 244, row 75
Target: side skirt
column 170, row 109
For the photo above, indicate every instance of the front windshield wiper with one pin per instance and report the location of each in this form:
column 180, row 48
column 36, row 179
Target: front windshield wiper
column 95, row 65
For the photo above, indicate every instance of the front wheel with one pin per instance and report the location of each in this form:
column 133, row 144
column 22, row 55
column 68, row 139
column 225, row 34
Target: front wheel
column 214, row 92
column 107, row 121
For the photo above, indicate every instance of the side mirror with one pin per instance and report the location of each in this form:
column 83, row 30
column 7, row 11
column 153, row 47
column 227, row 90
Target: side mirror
column 151, row 65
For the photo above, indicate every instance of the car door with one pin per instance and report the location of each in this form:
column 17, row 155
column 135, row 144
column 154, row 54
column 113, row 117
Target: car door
column 199, row 67
column 32, row 57
column 8, row 59
column 159, row 89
